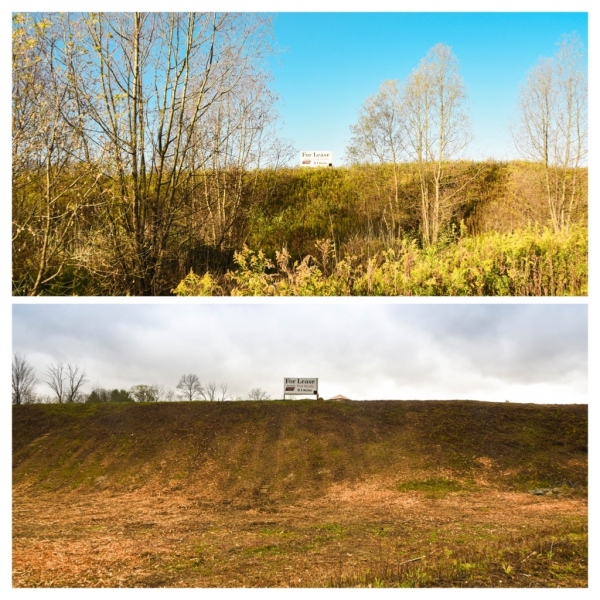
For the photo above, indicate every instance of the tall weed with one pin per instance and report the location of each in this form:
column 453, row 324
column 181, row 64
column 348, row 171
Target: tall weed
column 531, row 262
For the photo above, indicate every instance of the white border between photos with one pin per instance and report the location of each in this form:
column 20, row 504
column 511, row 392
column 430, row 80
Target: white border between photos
column 6, row 299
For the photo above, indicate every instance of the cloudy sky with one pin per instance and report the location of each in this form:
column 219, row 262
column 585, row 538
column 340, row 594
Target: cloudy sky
column 494, row 352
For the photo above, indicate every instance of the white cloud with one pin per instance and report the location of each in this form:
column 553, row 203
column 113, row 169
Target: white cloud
column 535, row 353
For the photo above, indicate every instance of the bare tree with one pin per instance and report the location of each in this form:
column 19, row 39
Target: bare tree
column 377, row 135
column 135, row 137
column 65, row 382
column 57, row 381
column 75, row 378
column 150, row 84
column 52, row 175
column 552, row 125
column 23, row 380
column 210, row 391
column 238, row 136
column 258, row 394
column 436, row 129
column 190, row 387
column 223, row 387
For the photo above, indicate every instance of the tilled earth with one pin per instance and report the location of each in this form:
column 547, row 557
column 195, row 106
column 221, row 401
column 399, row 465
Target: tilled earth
column 365, row 534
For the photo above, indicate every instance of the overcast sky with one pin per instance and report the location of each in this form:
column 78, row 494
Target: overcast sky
column 494, row 352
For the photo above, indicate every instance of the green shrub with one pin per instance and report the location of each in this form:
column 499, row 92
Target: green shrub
column 530, row 262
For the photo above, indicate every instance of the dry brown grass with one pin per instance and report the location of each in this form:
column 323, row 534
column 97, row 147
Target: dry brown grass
column 353, row 536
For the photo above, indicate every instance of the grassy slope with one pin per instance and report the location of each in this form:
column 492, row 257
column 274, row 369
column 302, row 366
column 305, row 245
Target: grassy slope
column 299, row 449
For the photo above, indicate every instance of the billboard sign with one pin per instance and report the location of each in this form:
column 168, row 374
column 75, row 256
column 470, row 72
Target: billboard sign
column 300, row 387
column 316, row 158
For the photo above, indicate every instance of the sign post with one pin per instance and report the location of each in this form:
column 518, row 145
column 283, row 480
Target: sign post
column 316, row 158
column 300, row 387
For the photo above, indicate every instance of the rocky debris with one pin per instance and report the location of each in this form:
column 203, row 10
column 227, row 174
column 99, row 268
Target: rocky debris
column 545, row 491
column 553, row 491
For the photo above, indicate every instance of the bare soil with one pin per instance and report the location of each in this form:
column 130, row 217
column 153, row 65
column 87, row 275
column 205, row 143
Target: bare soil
column 348, row 537
column 436, row 518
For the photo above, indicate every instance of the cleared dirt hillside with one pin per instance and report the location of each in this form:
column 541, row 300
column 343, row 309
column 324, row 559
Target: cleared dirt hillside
column 280, row 451
column 300, row 494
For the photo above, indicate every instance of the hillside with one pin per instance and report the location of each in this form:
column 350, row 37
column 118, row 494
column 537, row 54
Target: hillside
column 495, row 235
column 300, row 494
column 285, row 450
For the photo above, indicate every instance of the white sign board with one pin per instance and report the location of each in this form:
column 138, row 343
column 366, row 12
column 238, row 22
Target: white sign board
column 300, row 387
column 316, row 158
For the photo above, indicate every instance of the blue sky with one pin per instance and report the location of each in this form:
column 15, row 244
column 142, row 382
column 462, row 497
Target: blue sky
column 331, row 62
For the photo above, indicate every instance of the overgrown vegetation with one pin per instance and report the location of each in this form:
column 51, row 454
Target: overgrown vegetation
column 145, row 148
column 527, row 263
column 334, row 232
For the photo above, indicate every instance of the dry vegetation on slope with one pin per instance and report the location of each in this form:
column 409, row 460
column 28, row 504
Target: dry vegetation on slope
column 300, row 494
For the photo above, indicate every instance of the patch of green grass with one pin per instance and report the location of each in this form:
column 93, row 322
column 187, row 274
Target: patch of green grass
column 337, row 529
column 415, row 578
column 195, row 565
column 125, row 443
column 435, row 487
column 379, row 530
column 278, row 532
column 466, row 566
column 311, row 546
column 566, row 569
column 555, row 557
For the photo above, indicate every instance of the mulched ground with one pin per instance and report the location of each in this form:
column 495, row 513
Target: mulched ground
column 172, row 538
